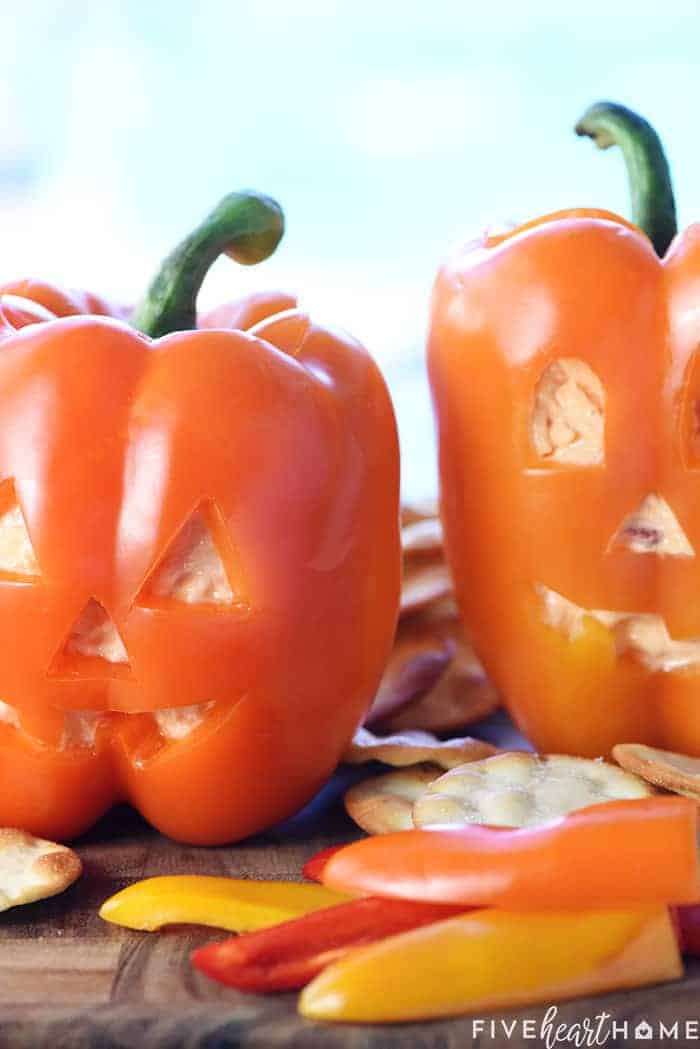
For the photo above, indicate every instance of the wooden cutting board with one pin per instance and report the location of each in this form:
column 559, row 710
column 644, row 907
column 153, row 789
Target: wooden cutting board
column 68, row 980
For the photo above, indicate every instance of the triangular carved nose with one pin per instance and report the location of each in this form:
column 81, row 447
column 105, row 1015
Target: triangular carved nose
column 653, row 528
column 93, row 647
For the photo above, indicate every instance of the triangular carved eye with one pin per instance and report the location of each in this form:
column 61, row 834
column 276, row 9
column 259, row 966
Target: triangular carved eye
column 653, row 528
column 196, row 565
column 93, row 648
column 17, row 557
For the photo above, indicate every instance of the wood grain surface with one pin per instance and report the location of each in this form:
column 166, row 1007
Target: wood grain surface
column 68, row 980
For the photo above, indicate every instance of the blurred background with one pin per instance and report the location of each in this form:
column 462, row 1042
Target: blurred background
column 388, row 132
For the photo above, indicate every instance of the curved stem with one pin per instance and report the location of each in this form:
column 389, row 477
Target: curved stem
column 653, row 206
column 246, row 226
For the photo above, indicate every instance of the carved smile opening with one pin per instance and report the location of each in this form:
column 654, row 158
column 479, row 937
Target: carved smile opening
column 80, row 727
column 642, row 635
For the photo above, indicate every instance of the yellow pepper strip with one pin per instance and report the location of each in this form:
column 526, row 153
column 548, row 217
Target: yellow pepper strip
column 495, row 959
column 225, row 903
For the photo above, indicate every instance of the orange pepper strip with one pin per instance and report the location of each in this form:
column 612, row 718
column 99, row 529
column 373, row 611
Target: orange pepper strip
column 493, row 959
column 313, row 868
column 289, row 955
column 618, row 854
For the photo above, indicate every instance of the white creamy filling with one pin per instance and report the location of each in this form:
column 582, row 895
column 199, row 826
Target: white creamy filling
column 178, row 722
column 8, row 715
column 653, row 528
column 644, row 635
column 16, row 551
column 80, row 728
column 94, row 634
column 568, row 414
column 192, row 570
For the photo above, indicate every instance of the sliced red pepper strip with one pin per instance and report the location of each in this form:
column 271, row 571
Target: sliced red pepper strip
column 687, row 922
column 289, row 955
column 618, row 854
column 313, row 868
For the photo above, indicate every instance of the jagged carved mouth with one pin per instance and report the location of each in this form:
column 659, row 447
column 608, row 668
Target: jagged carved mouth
column 644, row 636
column 80, row 727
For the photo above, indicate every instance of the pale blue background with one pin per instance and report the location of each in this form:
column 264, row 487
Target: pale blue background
column 387, row 130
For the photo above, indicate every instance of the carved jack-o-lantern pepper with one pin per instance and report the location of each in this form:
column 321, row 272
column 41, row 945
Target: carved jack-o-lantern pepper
column 565, row 367
column 199, row 553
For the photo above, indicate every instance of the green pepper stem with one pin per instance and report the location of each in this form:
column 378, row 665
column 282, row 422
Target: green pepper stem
column 246, row 226
column 653, row 206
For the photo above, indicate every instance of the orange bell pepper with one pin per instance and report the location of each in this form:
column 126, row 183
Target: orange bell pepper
column 287, row 956
column 618, row 854
column 216, row 703
column 224, row 903
column 243, row 313
column 62, row 302
column 493, row 960
column 541, row 528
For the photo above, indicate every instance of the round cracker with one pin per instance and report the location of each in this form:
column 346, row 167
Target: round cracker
column 33, row 868
column 421, row 510
column 409, row 748
column 462, row 696
column 423, row 583
column 665, row 768
column 517, row 789
column 424, row 536
column 383, row 804
column 418, row 659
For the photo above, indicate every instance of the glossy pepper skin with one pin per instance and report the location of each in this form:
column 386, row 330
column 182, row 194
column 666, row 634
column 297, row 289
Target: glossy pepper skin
column 243, row 313
column 494, row 959
column 567, row 863
column 285, row 440
column 62, row 302
column 224, row 903
column 289, row 955
column 587, row 285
